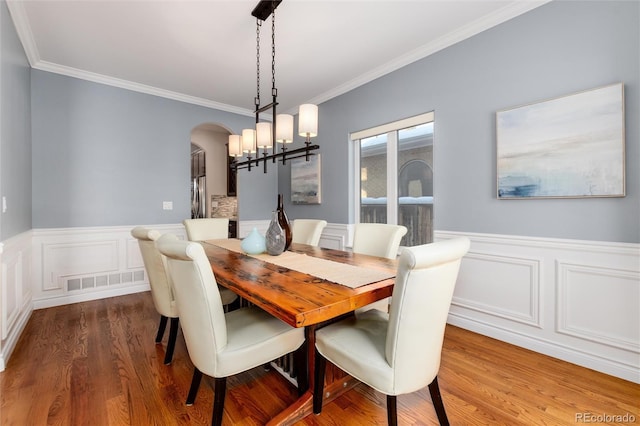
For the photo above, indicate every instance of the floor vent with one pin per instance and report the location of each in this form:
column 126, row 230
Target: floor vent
column 96, row 282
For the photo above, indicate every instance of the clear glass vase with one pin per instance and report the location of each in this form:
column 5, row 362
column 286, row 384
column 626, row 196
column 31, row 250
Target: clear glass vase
column 275, row 237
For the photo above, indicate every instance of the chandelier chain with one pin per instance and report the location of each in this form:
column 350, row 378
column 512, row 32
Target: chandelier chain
column 273, row 47
column 257, row 98
column 260, row 140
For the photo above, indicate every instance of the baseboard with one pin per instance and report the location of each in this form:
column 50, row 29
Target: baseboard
column 551, row 348
column 85, row 297
column 9, row 344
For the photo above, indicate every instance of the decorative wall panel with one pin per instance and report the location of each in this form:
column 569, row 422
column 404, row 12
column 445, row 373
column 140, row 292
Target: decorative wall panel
column 82, row 264
column 15, row 291
column 581, row 297
column 504, row 286
column 11, row 291
column 71, row 259
column 599, row 304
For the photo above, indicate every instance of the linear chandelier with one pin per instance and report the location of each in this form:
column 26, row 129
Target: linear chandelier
column 265, row 136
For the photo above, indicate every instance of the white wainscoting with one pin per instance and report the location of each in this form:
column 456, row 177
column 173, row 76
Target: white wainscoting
column 573, row 300
column 15, row 291
column 79, row 264
column 335, row 235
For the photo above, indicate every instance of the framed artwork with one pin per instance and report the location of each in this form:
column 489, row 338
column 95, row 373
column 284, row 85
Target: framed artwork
column 568, row 147
column 306, row 180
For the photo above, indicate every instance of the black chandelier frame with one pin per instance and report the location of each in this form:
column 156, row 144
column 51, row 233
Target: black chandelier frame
column 261, row 12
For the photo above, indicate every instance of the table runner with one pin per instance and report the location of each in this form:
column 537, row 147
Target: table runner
column 340, row 273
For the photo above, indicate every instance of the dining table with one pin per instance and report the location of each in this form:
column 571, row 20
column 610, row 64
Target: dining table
column 306, row 286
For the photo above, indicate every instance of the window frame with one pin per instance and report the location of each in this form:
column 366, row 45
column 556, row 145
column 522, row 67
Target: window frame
column 391, row 130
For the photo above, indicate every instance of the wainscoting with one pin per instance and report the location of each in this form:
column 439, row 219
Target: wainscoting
column 573, row 300
column 335, row 236
column 15, row 291
column 80, row 264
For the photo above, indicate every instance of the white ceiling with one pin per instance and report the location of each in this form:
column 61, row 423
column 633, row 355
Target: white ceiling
column 204, row 52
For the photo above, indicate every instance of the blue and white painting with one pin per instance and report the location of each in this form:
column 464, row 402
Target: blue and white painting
column 567, row 147
column 305, row 180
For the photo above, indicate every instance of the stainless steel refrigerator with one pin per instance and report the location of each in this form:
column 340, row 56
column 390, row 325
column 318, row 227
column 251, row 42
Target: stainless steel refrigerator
column 198, row 185
column 198, row 197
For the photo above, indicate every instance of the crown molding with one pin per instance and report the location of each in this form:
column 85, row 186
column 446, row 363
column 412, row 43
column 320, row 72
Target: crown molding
column 137, row 87
column 498, row 17
column 19, row 17
column 511, row 10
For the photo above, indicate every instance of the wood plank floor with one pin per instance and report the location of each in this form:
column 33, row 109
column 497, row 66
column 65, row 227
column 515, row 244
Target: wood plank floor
column 96, row 363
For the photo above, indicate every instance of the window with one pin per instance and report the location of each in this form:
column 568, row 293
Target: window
column 395, row 182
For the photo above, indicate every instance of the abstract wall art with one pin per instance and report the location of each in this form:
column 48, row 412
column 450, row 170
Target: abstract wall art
column 306, row 180
column 568, row 147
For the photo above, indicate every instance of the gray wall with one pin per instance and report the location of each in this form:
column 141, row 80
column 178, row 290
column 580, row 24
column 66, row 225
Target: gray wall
column 15, row 130
column 557, row 49
column 107, row 156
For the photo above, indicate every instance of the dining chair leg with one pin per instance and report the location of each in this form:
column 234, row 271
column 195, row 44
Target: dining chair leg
column 234, row 305
column 173, row 334
column 392, row 410
column 161, row 327
column 195, row 385
column 436, row 399
column 220, row 388
column 318, row 385
column 301, row 368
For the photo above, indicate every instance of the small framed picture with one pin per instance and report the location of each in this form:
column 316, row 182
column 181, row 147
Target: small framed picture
column 306, row 180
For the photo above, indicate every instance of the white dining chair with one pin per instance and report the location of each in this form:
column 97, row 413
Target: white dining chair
column 214, row 228
column 161, row 285
column 308, row 231
column 222, row 344
column 378, row 239
column 398, row 353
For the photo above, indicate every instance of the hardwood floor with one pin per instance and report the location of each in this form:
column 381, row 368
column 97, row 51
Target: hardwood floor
column 96, row 363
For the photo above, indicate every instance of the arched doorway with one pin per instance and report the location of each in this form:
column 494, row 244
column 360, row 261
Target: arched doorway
column 209, row 166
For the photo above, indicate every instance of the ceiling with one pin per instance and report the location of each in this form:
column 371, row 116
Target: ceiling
column 204, row 52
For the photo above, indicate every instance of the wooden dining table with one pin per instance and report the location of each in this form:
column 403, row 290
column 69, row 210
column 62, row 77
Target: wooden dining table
column 302, row 300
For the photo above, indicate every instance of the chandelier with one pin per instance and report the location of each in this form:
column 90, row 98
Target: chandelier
column 267, row 135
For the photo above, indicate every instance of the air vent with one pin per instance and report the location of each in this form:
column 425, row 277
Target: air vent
column 93, row 282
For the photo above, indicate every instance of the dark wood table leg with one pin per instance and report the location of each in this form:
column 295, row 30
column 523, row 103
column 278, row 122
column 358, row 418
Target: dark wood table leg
column 303, row 406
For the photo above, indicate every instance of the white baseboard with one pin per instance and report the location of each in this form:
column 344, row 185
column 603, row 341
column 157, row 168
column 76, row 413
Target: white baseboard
column 9, row 344
column 50, row 302
column 553, row 349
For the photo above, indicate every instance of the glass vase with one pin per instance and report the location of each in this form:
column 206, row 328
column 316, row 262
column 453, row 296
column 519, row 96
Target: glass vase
column 284, row 222
column 275, row 237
